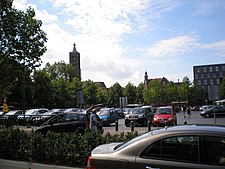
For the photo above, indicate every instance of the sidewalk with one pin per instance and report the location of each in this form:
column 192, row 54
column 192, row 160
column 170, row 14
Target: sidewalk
column 9, row 164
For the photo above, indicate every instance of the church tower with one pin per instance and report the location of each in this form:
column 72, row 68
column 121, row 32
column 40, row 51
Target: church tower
column 146, row 79
column 75, row 61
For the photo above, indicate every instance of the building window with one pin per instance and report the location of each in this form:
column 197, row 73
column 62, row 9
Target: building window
column 221, row 74
column 202, row 76
column 211, row 69
column 196, row 76
column 205, row 82
column 217, row 81
column 208, row 75
column 216, row 68
column 199, row 82
column 214, row 75
column 204, row 69
column 223, row 68
column 211, row 81
column 198, row 70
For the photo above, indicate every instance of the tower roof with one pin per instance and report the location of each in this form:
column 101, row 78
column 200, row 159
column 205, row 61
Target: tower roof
column 74, row 48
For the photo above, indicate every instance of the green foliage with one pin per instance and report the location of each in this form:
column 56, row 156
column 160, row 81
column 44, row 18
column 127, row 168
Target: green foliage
column 114, row 93
column 69, row 149
column 130, row 92
column 22, row 44
column 90, row 93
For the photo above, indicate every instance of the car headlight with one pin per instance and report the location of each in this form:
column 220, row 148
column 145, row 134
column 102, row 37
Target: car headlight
column 170, row 119
column 155, row 118
column 104, row 119
column 127, row 116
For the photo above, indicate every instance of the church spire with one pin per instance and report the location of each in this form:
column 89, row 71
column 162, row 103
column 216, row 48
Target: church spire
column 74, row 48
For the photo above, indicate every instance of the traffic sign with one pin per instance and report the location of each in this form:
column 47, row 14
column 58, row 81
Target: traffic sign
column 5, row 107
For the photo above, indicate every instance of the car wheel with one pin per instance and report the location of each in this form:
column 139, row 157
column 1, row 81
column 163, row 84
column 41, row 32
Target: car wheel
column 207, row 115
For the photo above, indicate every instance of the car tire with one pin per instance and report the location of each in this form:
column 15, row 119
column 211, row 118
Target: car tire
column 207, row 115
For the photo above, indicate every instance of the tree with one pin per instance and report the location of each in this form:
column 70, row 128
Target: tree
column 114, row 93
column 152, row 93
column 43, row 89
column 130, row 93
column 140, row 90
column 22, row 43
column 60, row 70
column 90, row 93
column 171, row 92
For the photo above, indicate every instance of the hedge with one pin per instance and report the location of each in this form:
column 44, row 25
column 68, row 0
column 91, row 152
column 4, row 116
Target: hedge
column 68, row 149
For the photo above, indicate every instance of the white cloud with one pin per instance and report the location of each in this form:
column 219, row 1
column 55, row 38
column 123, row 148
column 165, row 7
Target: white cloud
column 172, row 47
column 219, row 47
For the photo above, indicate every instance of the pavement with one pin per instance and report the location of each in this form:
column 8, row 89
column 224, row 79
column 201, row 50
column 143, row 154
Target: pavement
column 9, row 164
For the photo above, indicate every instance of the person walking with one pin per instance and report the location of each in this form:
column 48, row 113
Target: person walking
column 189, row 111
column 93, row 120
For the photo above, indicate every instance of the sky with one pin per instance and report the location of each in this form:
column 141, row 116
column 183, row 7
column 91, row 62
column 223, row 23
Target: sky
column 120, row 40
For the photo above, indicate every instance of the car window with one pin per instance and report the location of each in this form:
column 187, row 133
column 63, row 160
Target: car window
column 104, row 113
column 182, row 148
column 73, row 117
column 215, row 150
column 164, row 111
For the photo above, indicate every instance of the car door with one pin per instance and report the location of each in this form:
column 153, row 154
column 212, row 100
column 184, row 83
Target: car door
column 179, row 152
column 113, row 116
column 214, row 152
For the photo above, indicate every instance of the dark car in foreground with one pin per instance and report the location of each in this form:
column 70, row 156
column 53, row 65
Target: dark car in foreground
column 176, row 147
column 70, row 122
column 217, row 110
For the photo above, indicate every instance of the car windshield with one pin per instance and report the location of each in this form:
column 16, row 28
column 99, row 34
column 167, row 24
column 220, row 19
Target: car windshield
column 103, row 113
column 164, row 111
column 136, row 111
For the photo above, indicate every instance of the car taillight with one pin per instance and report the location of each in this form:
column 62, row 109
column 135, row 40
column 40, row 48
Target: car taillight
column 90, row 164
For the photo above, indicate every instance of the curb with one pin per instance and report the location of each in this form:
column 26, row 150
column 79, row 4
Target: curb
column 9, row 164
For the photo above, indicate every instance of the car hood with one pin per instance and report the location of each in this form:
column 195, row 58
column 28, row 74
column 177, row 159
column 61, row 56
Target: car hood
column 165, row 116
column 105, row 148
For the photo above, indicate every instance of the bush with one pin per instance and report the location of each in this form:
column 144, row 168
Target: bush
column 69, row 149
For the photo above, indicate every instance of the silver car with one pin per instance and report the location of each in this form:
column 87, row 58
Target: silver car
column 177, row 147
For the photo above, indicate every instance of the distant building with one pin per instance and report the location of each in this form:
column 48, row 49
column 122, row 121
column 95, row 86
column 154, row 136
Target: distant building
column 162, row 81
column 75, row 61
column 101, row 85
column 209, row 77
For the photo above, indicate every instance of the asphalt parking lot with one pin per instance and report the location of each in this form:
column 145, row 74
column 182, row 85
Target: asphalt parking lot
column 195, row 118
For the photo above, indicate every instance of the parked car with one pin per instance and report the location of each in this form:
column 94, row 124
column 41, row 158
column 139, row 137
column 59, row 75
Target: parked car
column 33, row 113
column 177, row 147
column 218, row 110
column 108, row 116
column 139, row 115
column 12, row 114
column 164, row 116
column 70, row 122
column 205, row 107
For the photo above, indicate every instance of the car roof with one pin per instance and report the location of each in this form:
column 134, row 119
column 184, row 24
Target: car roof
column 191, row 129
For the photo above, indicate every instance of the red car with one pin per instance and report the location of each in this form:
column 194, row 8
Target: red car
column 164, row 116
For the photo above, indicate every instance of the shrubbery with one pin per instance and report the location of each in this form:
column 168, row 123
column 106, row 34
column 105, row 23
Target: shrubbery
column 69, row 149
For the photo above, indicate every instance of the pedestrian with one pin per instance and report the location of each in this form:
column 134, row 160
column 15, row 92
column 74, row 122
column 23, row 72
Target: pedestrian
column 189, row 112
column 184, row 111
column 93, row 120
